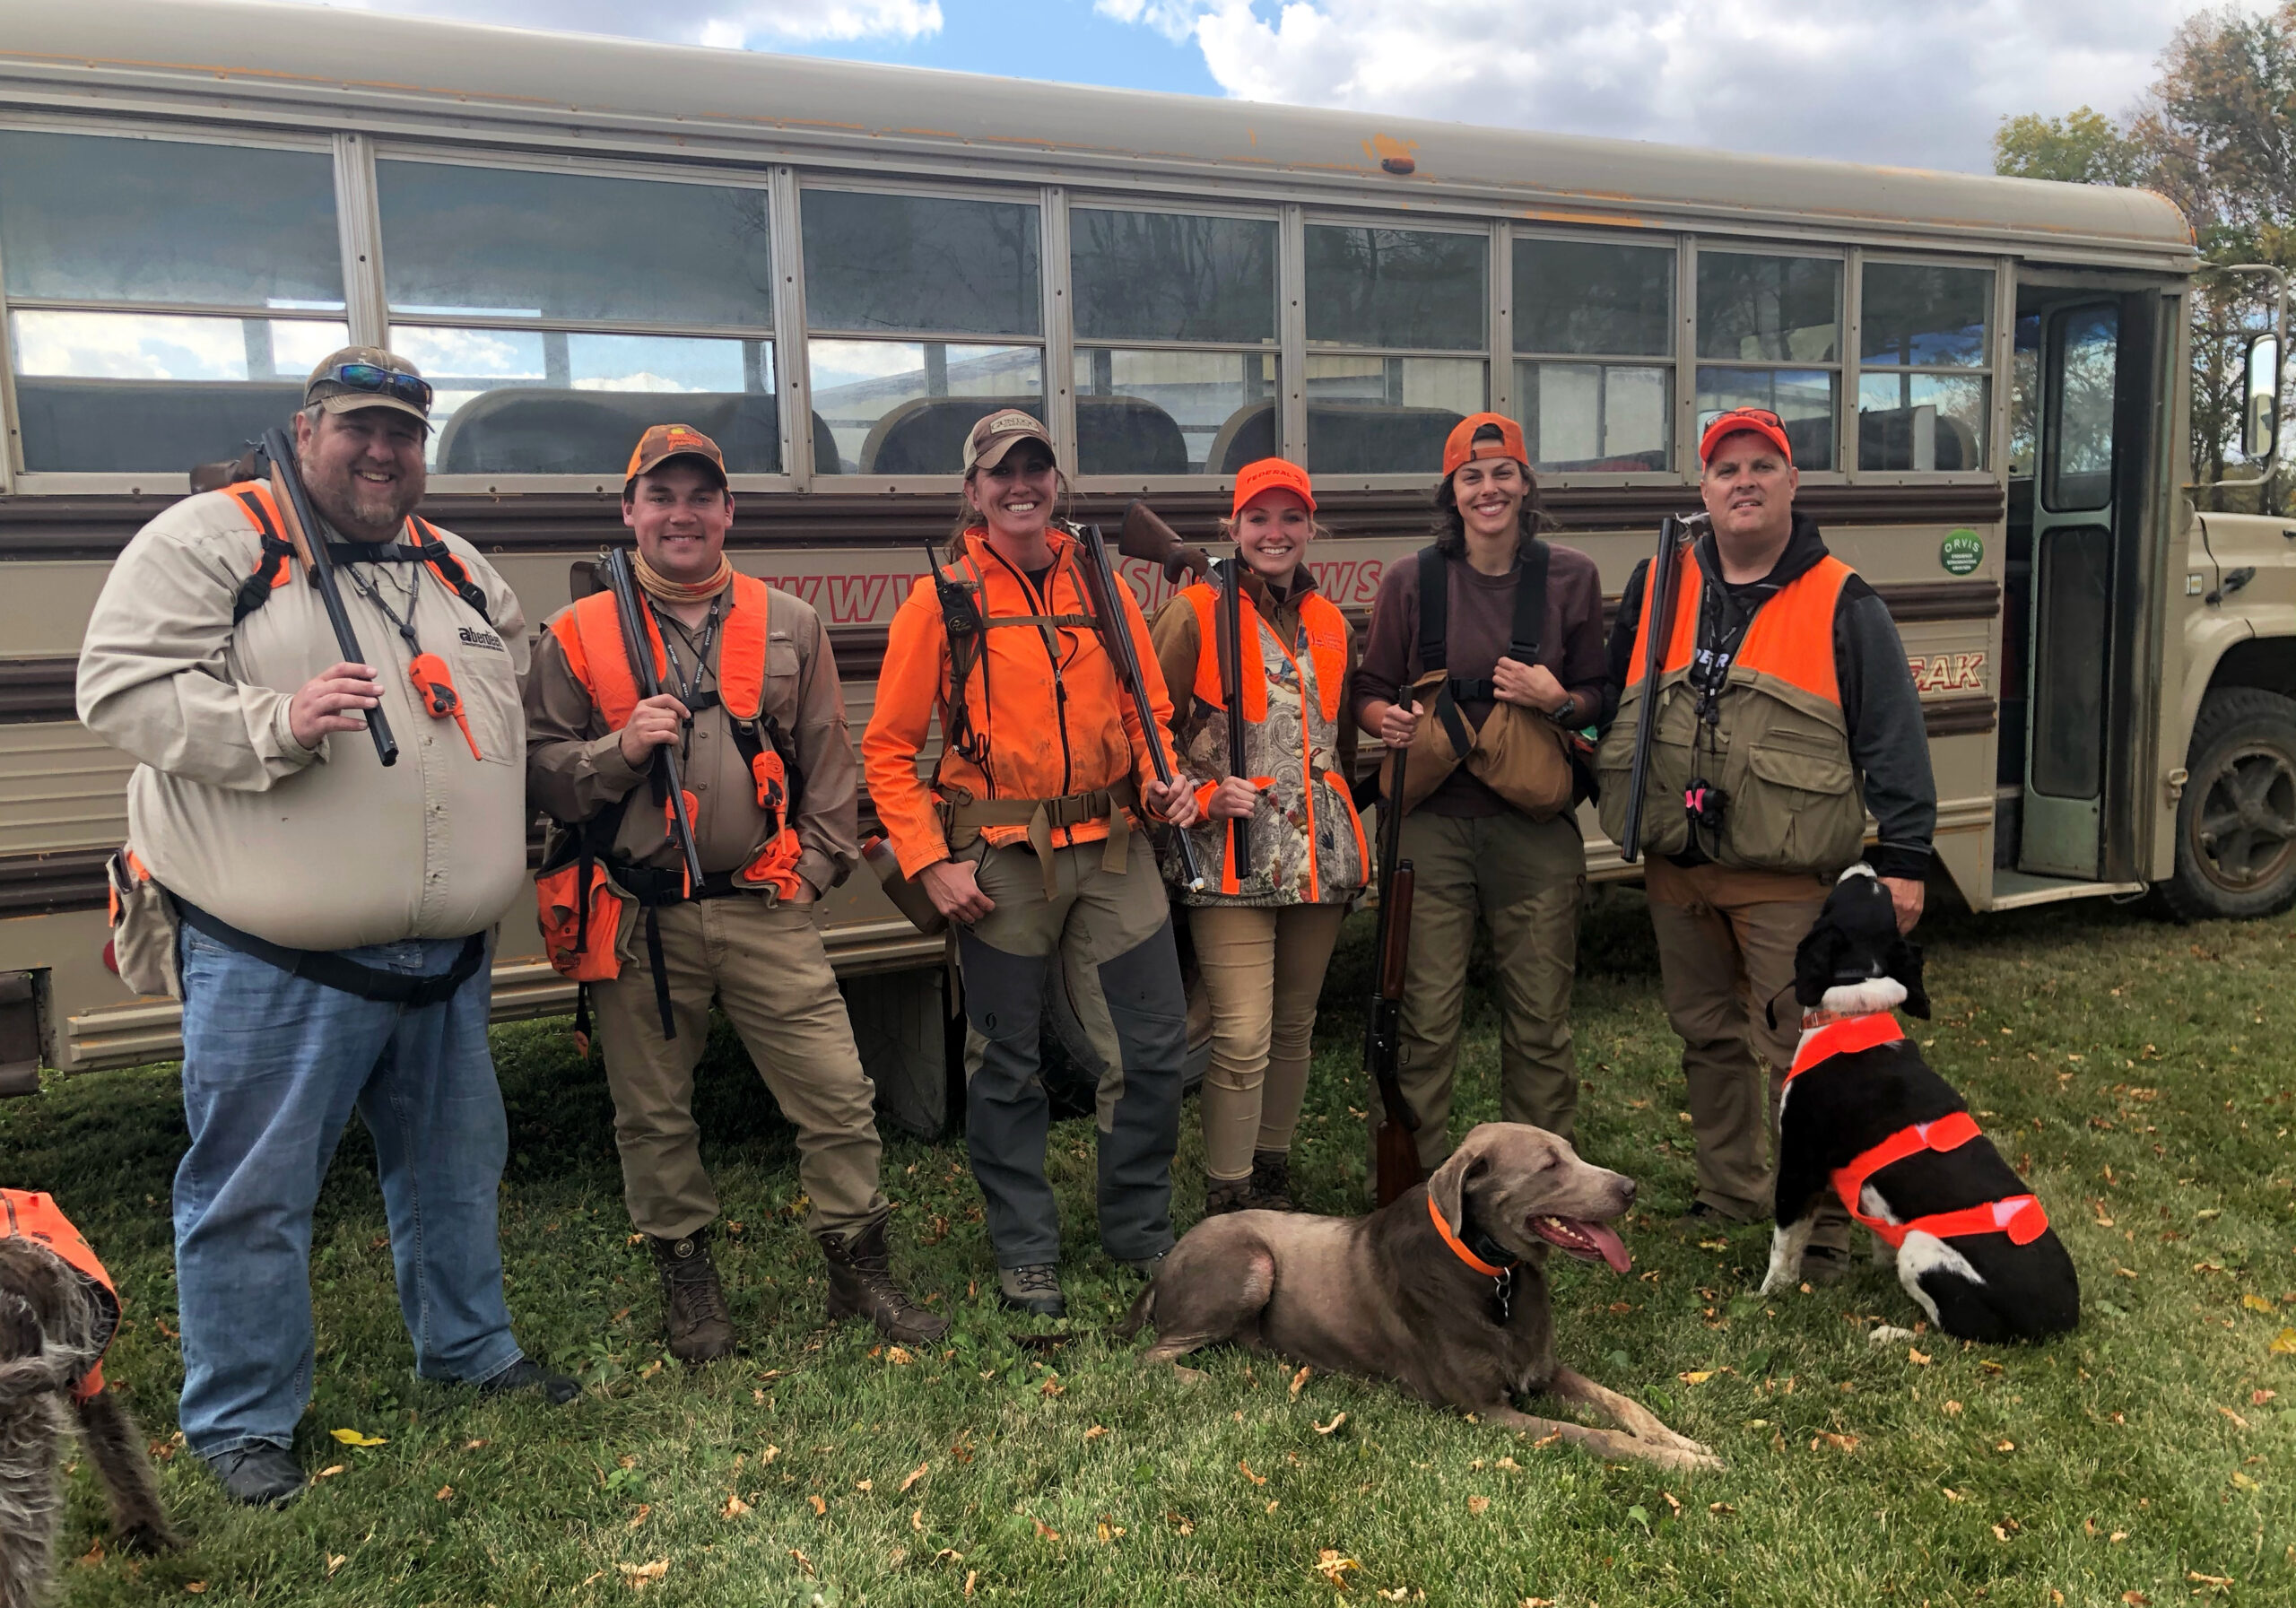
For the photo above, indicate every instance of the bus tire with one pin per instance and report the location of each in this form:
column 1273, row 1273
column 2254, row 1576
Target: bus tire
column 2236, row 822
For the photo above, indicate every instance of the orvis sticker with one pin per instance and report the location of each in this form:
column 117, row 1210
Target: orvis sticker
column 1961, row 553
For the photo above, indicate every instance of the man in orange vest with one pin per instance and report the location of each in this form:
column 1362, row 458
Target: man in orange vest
column 751, row 705
column 1784, row 712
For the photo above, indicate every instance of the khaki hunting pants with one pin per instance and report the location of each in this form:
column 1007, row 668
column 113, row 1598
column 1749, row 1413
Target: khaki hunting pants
column 1527, row 879
column 1726, row 950
column 1109, row 936
column 1263, row 970
column 768, row 969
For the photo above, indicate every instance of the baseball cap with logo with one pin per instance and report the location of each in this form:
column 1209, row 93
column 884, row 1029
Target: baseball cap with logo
column 1272, row 474
column 990, row 438
column 1462, row 445
column 364, row 377
column 1755, row 421
column 664, row 442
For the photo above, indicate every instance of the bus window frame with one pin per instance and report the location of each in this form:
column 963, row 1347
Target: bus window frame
column 15, row 478
column 1994, row 371
column 728, row 176
column 1683, row 245
column 1844, row 417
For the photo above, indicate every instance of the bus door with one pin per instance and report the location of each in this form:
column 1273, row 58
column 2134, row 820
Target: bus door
column 2072, row 552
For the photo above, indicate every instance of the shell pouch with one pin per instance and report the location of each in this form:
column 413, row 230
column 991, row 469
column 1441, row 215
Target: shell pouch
column 581, row 928
column 142, row 947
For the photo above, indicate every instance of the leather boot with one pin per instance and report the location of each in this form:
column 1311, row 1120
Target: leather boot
column 693, row 1302
column 1223, row 1195
column 861, row 1285
column 1271, row 1182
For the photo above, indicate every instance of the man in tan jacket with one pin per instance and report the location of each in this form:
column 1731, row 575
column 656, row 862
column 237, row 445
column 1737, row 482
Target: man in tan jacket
column 751, row 705
column 324, row 919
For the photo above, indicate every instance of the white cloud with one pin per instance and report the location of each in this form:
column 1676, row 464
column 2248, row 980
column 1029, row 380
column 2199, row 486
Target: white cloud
column 729, row 24
column 1874, row 81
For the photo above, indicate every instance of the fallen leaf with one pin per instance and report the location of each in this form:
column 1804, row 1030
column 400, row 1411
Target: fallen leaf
column 1843, row 1443
column 901, row 1356
column 735, row 1506
column 1950, row 1494
column 1671, row 1502
column 2283, row 1344
column 1273, row 1503
column 335, row 1560
column 2256, row 1303
column 2242, row 1481
column 1917, row 1358
column 95, row 1552
column 1723, row 1509
column 2237, row 1420
column 1478, row 1505
column 864, row 1484
column 330, row 1470
column 195, row 1586
column 915, row 1475
column 1697, row 1377
column 638, row 1576
column 820, row 1509
column 446, row 1494
column 2135, row 1599
column 2219, row 1581
column 645, row 1511
column 970, row 1576
column 1999, row 1533
column 1507, row 1462
column 1254, row 1479
column 1045, row 1532
column 1953, row 1409
column 2118, row 1536
column 802, row 1562
column 353, row 1438
column 1182, row 1523
column 1051, row 1388
column 1298, row 1381
column 1337, row 1419
column 767, row 1456
column 2005, row 1446
column 2257, row 1399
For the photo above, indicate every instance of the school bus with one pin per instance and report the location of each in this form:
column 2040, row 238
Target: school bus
column 834, row 268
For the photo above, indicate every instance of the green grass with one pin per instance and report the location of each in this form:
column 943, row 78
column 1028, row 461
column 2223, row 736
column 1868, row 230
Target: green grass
column 2133, row 1071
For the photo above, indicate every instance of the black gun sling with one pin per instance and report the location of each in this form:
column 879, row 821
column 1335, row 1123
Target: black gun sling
column 331, row 971
column 1434, row 625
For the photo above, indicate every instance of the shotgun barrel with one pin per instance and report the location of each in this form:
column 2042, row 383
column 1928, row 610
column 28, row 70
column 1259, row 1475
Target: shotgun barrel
column 309, row 537
column 1395, row 1154
column 623, row 582
column 1659, row 599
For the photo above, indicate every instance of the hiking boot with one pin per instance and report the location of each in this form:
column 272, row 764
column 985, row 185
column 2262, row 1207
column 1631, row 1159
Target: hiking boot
column 861, row 1285
column 1821, row 1265
column 1034, row 1289
column 693, row 1302
column 1145, row 1267
column 1223, row 1195
column 261, row 1475
column 1272, row 1181
column 526, row 1374
column 1703, row 1218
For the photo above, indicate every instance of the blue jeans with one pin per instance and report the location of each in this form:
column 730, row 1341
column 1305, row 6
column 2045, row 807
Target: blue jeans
column 273, row 1067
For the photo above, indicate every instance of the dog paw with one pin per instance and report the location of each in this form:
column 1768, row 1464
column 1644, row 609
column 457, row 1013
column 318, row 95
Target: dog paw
column 1689, row 1456
column 146, row 1538
column 1888, row 1334
column 1777, row 1280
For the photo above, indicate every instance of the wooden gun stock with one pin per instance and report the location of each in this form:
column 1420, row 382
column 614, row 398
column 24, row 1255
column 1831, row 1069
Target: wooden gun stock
column 1143, row 536
column 1394, row 1153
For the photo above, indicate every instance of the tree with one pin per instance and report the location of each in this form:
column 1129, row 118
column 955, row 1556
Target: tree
column 2082, row 147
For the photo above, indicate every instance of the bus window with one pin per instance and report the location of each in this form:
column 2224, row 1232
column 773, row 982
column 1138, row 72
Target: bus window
column 2025, row 395
column 1925, row 384
column 2080, row 474
column 938, row 270
column 1583, row 310
column 1769, row 336
column 1202, row 288
column 492, row 274
column 99, row 234
column 1385, row 308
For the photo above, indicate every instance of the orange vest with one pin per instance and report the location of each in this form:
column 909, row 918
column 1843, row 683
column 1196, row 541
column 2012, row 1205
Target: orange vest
column 1791, row 636
column 262, row 509
column 26, row 1214
column 589, row 634
column 2018, row 1216
column 1326, row 628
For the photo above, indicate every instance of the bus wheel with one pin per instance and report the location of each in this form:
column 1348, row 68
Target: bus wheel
column 2235, row 823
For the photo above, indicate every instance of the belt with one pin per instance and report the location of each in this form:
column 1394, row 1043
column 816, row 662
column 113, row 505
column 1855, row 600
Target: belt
column 962, row 823
column 331, row 971
column 651, row 887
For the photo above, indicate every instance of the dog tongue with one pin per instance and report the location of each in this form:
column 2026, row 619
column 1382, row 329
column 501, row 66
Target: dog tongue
column 1607, row 1241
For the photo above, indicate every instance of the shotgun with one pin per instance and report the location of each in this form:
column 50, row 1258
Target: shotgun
column 623, row 582
column 309, row 537
column 1394, row 1153
column 1232, row 682
column 1658, row 601
column 1101, row 583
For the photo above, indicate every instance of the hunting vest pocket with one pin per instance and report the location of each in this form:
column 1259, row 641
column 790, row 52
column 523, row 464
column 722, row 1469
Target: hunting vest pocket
column 1796, row 806
column 144, row 926
column 1666, row 828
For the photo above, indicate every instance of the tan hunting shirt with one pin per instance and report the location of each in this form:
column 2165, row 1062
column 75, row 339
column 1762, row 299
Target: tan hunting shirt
column 312, row 849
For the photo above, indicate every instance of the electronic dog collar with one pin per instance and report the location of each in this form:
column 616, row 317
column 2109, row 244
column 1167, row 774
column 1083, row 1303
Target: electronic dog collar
column 1501, row 1276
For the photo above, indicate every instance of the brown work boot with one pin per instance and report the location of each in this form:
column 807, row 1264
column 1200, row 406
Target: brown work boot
column 1223, row 1195
column 1272, row 1181
column 861, row 1285
column 693, row 1302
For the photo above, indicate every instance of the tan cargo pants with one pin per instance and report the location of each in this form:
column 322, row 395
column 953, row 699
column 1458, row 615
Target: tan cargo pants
column 1726, row 950
column 1527, row 879
column 1262, row 969
column 766, row 968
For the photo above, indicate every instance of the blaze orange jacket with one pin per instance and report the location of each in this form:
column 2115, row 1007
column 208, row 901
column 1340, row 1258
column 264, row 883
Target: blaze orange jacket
column 1049, row 717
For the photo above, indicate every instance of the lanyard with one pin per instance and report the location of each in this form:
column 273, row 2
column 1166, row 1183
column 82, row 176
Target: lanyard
column 433, row 682
column 689, row 691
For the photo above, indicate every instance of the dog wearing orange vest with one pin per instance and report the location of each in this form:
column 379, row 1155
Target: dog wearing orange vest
column 1864, row 1114
column 57, row 1313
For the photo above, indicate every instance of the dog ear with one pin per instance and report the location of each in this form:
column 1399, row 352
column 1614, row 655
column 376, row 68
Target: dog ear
column 1813, row 962
column 1447, row 1188
column 1905, row 965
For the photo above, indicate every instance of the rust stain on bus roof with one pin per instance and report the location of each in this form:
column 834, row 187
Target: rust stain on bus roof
column 1616, row 220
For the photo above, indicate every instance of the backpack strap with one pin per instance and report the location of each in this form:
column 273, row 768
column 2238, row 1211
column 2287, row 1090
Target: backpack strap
column 271, row 568
column 446, row 566
column 1530, row 619
column 1434, row 608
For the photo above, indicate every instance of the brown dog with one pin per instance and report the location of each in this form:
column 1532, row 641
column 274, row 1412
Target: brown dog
column 1449, row 1302
column 54, row 1322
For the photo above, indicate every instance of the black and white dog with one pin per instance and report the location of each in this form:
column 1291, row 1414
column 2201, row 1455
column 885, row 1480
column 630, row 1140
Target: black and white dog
column 1864, row 1115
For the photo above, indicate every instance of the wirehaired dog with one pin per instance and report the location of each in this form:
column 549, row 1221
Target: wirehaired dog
column 55, row 1319
column 1864, row 1114
column 1443, row 1292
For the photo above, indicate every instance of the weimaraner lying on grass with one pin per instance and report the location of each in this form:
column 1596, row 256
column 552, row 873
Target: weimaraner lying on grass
column 1420, row 1296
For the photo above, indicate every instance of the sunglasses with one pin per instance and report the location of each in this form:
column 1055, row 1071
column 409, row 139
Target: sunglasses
column 377, row 380
column 1762, row 413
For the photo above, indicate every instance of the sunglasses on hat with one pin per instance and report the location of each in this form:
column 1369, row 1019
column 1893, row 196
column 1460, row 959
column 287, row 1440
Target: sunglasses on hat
column 377, row 380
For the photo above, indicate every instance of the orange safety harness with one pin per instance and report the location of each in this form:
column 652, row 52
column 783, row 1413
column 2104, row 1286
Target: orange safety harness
column 2018, row 1216
column 433, row 682
column 28, row 1214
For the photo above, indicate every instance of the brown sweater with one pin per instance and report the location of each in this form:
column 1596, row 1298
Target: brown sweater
column 1480, row 626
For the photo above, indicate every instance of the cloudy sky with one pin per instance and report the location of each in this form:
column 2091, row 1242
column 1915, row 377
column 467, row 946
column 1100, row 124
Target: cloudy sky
column 1886, row 81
